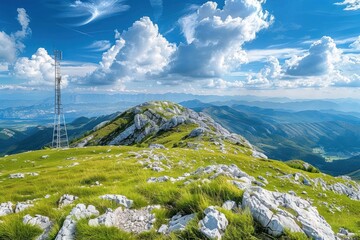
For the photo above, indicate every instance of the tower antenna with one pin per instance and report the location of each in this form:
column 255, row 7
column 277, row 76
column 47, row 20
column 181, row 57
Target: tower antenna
column 60, row 137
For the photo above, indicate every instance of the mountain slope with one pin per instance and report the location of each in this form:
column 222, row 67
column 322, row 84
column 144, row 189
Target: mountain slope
column 197, row 185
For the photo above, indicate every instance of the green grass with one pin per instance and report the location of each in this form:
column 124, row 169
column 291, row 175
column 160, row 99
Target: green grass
column 119, row 172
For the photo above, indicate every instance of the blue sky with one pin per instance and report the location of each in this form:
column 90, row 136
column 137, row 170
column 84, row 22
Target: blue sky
column 292, row 48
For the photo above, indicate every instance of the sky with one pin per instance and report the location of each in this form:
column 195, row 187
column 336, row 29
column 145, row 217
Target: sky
column 276, row 48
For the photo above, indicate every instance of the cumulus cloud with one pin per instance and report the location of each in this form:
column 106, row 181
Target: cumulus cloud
column 214, row 37
column 37, row 70
column 350, row 5
column 93, row 10
column 11, row 44
column 319, row 60
column 140, row 52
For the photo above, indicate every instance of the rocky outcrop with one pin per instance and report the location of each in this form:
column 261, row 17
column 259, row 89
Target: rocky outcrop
column 229, row 205
column 119, row 199
column 66, row 199
column 148, row 119
column 21, row 206
column 214, row 224
column 6, row 208
column 279, row 211
column 40, row 221
column 177, row 223
column 68, row 229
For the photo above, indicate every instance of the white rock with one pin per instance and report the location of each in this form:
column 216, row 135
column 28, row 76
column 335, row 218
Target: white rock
column 67, row 231
column 21, row 206
column 229, row 205
column 16, row 175
column 42, row 222
column 6, row 208
column 119, row 199
column 214, row 224
column 179, row 223
column 269, row 209
column 66, row 199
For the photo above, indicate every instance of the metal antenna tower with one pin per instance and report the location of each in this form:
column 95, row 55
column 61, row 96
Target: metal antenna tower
column 60, row 137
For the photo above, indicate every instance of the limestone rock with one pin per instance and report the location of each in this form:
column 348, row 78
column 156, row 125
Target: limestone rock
column 156, row 146
column 119, row 199
column 6, row 208
column 66, row 199
column 67, row 231
column 214, row 224
column 177, row 223
column 21, row 206
column 42, row 222
column 229, row 205
column 269, row 209
column 197, row 132
column 108, row 219
column 16, row 175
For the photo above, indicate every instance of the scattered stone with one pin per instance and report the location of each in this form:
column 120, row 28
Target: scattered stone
column 16, row 175
column 40, row 221
column 159, row 179
column 6, row 208
column 67, row 231
column 177, row 223
column 47, row 196
column 66, row 199
column 21, row 206
column 269, row 209
column 33, row 174
column 214, row 224
column 229, row 205
column 45, row 156
column 291, row 192
column 156, row 146
column 197, row 132
column 107, row 219
column 119, row 199
column 136, row 221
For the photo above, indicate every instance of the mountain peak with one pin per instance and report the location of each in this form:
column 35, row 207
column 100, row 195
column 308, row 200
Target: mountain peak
column 145, row 123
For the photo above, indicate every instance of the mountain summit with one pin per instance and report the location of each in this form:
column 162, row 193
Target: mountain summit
column 161, row 171
column 151, row 122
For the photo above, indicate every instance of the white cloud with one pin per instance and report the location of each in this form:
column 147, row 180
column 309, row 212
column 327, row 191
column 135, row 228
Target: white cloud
column 319, row 60
column 37, row 70
column 356, row 44
column 94, row 10
column 262, row 55
column 11, row 44
column 99, row 46
column 350, row 5
column 215, row 37
column 141, row 52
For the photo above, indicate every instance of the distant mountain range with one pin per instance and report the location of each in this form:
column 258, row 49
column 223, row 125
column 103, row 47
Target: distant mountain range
column 315, row 131
column 313, row 136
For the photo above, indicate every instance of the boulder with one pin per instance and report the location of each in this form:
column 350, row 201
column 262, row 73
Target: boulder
column 6, row 208
column 66, row 199
column 21, row 206
column 108, row 219
column 179, row 222
column 214, row 224
column 68, row 229
column 197, row 132
column 16, row 175
column 119, row 199
column 40, row 221
column 275, row 212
